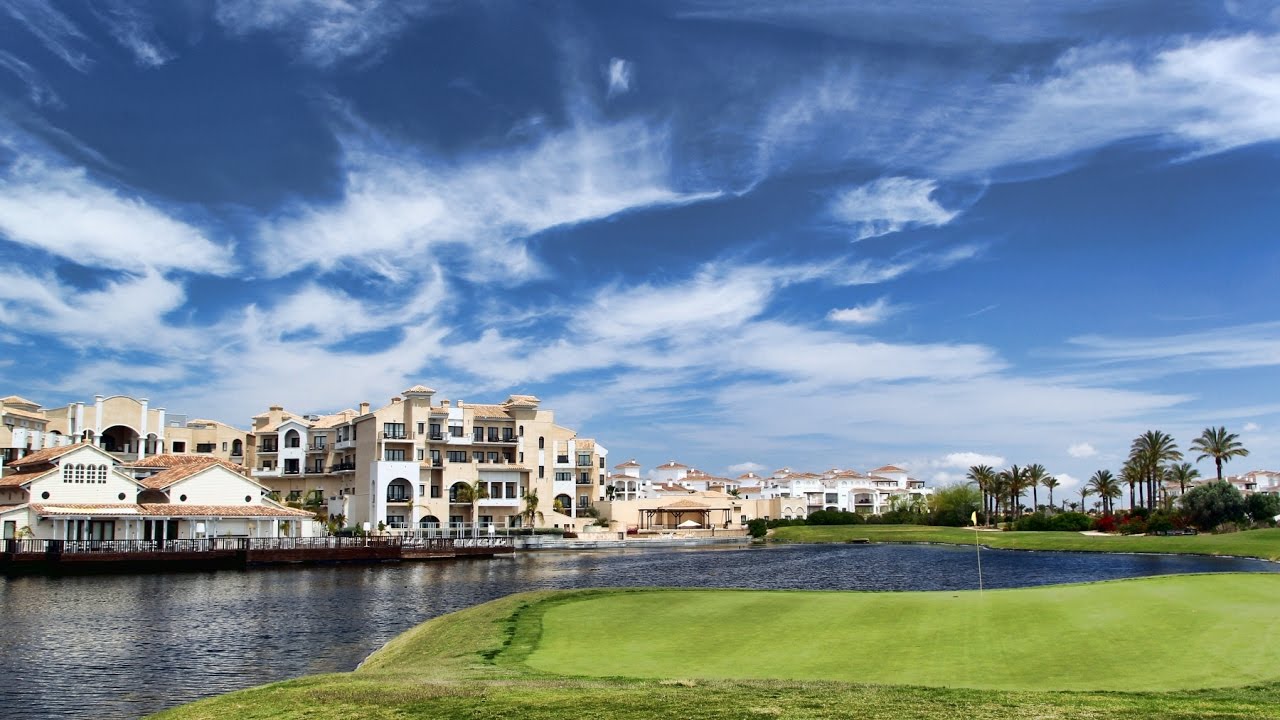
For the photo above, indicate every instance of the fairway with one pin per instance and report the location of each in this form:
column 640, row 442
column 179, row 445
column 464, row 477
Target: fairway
column 1151, row 634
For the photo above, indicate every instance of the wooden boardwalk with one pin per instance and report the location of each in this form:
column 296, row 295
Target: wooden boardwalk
column 105, row 556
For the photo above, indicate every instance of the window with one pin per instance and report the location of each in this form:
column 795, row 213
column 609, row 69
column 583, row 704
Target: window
column 601, row 478
column 455, row 430
column 67, row 475
column 421, row 428
column 486, row 519
column 435, row 432
column 522, row 457
column 542, row 443
column 508, row 435
column 564, row 476
column 395, row 521
column 457, row 456
column 542, row 471
column 422, row 490
column 584, row 459
column 80, row 473
column 582, row 501
column 455, row 520
column 584, row 478
column 181, row 447
column 209, row 447
column 224, row 446
column 396, row 491
column 493, row 434
column 435, row 457
column 601, row 462
column 477, row 456
column 419, row 454
column 493, row 457
column 394, row 454
column 435, row 491
column 393, row 430
column 477, row 434
column 318, row 466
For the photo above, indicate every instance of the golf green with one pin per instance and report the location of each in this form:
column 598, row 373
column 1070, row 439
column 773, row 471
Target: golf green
column 1151, row 634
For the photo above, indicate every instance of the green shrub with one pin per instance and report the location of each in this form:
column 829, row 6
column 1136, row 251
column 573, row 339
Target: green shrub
column 758, row 528
column 1034, row 522
column 1134, row 525
column 1070, row 522
column 1160, row 522
column 1213, row 504
column 1263, row 508
column 833, row 517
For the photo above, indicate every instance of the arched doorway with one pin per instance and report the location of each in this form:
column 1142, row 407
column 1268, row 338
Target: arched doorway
column 562, row 504
column 119, row 439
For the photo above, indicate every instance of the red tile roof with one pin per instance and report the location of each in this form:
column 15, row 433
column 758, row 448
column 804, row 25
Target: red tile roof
column 46, row 455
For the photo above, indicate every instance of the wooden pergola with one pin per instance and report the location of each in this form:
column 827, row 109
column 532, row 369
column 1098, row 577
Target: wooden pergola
column 670, row 516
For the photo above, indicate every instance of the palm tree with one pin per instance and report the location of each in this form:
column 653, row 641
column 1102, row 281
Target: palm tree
column 1035, row 475
column 1152, row 449
column 1105, row 486
column 984, row 477
column 1220, row 445
column 1015, row 483
column 1049, row 484
column 1085, row 492
column 471, row 495
column 531, row 507
column 1183, row 473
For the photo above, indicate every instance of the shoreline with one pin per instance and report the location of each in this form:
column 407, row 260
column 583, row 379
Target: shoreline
column 1044, row 550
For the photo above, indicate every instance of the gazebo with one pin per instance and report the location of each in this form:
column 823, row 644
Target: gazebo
column 674, row 514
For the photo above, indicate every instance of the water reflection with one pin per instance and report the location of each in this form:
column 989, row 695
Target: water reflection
column 124, row 646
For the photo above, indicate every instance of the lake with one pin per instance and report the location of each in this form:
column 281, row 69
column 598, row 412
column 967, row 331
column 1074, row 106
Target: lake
column 123, row 646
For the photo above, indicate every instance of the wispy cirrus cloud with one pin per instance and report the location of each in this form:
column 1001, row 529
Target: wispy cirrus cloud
column 619, row 76
column 53, row 29
column 1226, row 348
column 868, row 314
column 326, row 32
column 130, row 26
column 40, row 92
column 890, row 204
column 402, row 205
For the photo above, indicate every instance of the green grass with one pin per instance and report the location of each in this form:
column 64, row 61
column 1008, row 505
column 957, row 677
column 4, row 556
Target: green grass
column 1252, row 543
column 527, row 656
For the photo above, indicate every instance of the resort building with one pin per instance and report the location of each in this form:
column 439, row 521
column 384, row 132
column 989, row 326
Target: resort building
column 80, row 492
column 420, row 464
column 126, row 427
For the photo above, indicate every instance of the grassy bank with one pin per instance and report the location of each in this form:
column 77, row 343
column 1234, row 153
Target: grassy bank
column 1253, row 543
column 711, row 654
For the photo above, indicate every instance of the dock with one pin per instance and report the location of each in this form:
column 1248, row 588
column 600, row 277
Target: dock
column 56, row 557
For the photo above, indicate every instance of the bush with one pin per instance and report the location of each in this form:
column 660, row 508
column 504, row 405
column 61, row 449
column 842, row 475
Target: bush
column 1070, row 522
column 1213, row 504
column 833, row 517
column 949, row 518
column 1160, row 522
column 1034, row 522
column 1106, row 524
column 1262, row 508
column 1133, row 525
column 758, row 528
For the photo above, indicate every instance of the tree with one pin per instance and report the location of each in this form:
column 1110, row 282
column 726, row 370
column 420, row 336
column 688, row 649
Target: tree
column 735, row 493
column 1035, row 475
column 1085, row 492
column 985, row 478
column 1220, row 445
column 1131, row 473
column 1151, row 450
column 531, row 513
column 1262, row 508
column 1183, row 473
column 1106, row 487
column 954, row 504
column 1213, row 504
column 1015, row 485
column 1050, row 483
column 471, row 495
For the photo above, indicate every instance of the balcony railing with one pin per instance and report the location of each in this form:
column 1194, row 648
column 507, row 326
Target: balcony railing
column 396, row 435
column 436, row 436
column 343, row 467
column 317, row 448
column 292, row 471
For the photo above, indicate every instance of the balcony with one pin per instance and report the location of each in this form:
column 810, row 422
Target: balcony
column 343, row 467
column 499, row 502
column 266, row 472
column 268, row 449
column 397, row 436
column 435, row 436
column 317, row 448
column 495, row 441
column 401, row 499
column 293, row 471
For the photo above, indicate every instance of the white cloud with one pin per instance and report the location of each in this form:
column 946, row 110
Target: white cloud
column 746, row 467
column 400, row 206
column 53, row 29
column 1252, row 427
column 134, row 30
column 619, row 76
column 64, row 212
column 1225, row 348
column 325, row 31
column 890, row 204
column 1081, row 450
column 37, row 89
column 868, row 314
column 965, row 460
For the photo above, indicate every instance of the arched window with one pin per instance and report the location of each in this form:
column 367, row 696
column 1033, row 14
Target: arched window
column 542, row 442
column 237, row 447
column 66, row 473
column 79, row 473
column 102, row 473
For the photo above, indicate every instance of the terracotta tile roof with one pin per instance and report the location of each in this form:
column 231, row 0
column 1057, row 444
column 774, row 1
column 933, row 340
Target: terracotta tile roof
column 748, row 476
column 488, row 411
column 684, row 504
column 29, row 414
column 117, row 509
column 329, row 421
column 166, row 510
column 418, row 389
column 22, row 478
column 673, row 464
column 17, row 400
column 888, row 469
column 630, row 463
column 170, row 460
column 749, row 490
column 522, row 401
column 183, row 470
column 46, row 455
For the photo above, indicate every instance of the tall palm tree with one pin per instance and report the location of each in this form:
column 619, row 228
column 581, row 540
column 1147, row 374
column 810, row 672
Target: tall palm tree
column 984, row 477
column 1085, row 492
column 1220, row 445
column 1183, row 473
column 1105, row 486
column 1152, row 449
column 1035, row 475
column 471, row 495
column 1049, row 484
column 1015, row 485
column 1131, row 473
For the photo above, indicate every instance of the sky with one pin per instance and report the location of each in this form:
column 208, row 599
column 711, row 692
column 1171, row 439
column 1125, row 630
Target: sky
column 742, row 235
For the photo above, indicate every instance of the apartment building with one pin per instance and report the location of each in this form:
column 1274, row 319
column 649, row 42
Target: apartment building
column 128, row 428
column 418, row 463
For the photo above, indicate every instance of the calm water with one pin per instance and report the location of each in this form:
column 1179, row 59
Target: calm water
column 128, row 645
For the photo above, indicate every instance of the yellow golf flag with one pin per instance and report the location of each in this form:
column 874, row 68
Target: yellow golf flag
column 974, row 517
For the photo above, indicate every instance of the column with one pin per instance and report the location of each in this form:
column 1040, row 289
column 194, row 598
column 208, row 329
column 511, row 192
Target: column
column 142, row 430
column 97, row 420
column 160, row 442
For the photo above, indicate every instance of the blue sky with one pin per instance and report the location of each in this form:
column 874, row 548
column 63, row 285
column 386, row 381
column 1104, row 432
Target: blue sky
column 740, row 234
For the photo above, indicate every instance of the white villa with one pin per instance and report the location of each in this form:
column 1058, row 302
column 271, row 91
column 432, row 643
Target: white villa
column 82, row 492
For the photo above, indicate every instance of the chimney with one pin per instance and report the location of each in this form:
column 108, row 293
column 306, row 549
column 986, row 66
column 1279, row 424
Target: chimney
column 444, row 403
column 364, row 408
column 396, row 399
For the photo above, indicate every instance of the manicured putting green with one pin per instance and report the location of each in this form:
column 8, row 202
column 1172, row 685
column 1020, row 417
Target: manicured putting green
column 1165, row 633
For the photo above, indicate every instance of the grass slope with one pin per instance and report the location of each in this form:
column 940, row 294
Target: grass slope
column 475, row 664
column 1253, row 543
column 1217, row 629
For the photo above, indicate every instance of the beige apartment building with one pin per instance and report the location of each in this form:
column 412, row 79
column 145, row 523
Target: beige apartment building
column 128, row 428
column 421, row 464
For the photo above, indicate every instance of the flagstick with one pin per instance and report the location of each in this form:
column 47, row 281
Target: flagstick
column 978, row 547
